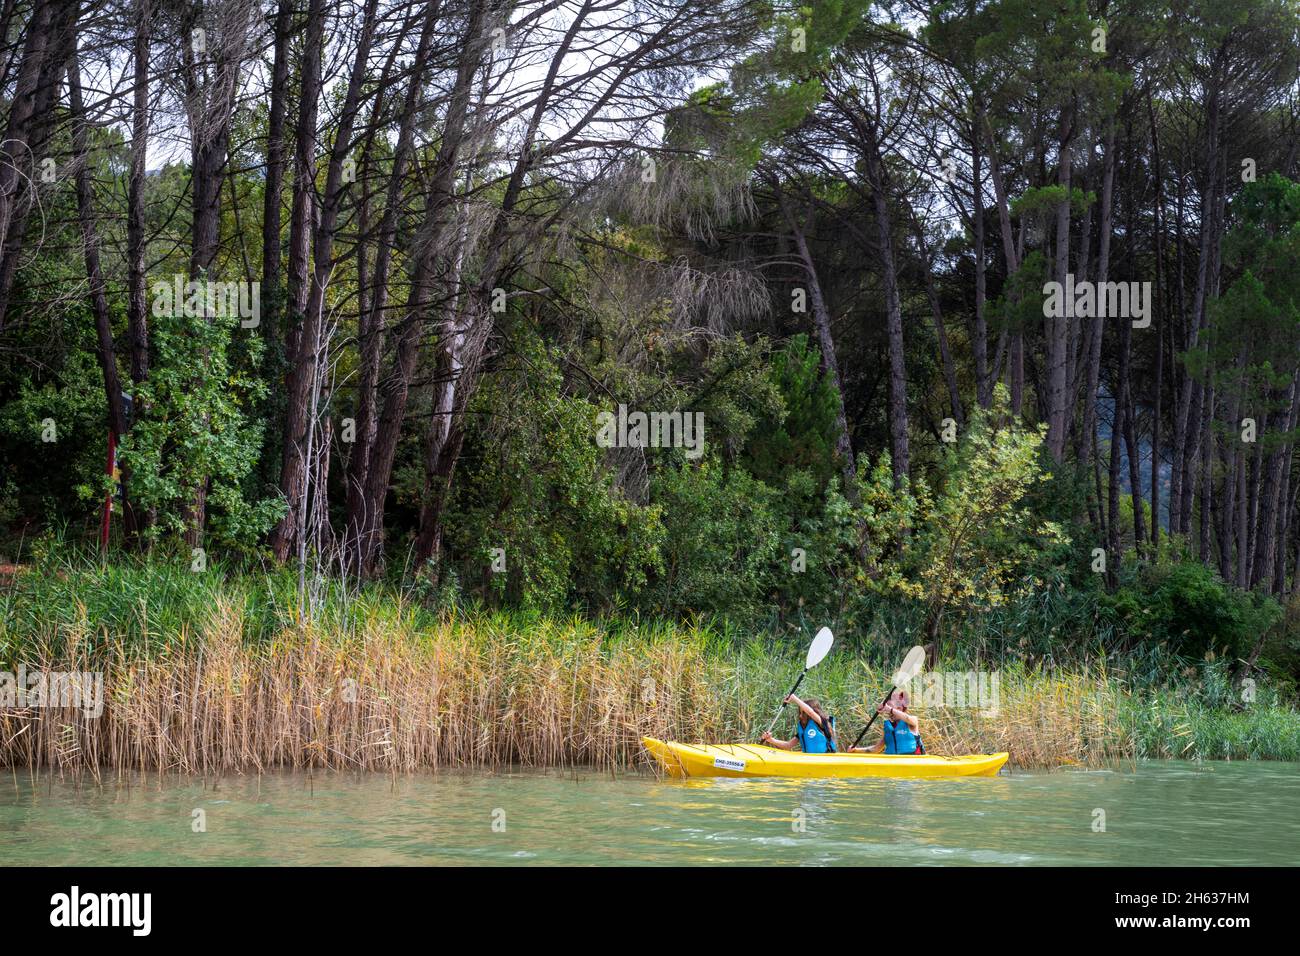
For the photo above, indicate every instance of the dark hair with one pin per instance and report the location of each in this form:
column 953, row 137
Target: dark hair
column 822, row 719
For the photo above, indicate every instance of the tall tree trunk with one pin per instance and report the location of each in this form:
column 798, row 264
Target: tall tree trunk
column 95, row 276
column 1126, row 365
column 1058, row 327
column 282, row 28
column 940, row 327
column 137, row 315
column 898, row 437
column 441, row 197
column 1010, row 252
column 137, row 304
column 302, row 374
column 1183, row 452
column 980, row 340
column 16, row 165
column 363, row 537
column 826, row 346
column 1088, row 431
column 30, row 129
column 1161, row 313
column 302, row 210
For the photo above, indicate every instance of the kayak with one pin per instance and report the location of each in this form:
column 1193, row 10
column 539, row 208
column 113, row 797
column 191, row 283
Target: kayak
column 757, row 760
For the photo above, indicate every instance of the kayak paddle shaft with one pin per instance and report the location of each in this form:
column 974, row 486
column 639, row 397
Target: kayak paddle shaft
column 792, row 690
column 874, row 716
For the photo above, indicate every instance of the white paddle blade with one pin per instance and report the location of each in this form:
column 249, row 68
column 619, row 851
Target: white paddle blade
column 821, row 646
column 912, row 665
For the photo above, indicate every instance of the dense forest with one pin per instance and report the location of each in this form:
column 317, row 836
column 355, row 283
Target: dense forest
column 977, row 317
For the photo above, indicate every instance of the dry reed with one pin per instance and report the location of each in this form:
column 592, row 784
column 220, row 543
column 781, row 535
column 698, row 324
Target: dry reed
column 461, row 695
column 389, row 694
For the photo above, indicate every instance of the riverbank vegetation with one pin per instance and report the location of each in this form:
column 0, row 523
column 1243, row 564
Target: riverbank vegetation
column 216, row 673
column 502, row 357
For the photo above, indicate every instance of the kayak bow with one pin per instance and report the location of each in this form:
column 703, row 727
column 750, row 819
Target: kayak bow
column 756, row 760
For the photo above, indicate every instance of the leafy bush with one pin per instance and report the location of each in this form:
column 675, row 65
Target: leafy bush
column 194, row 427
column 1186, row 606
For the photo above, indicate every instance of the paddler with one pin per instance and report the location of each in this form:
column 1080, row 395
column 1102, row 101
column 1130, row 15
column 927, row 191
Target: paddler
column 815, row 732
column 902, row 730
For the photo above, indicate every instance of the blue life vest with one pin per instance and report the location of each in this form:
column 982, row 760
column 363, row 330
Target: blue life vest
column 811, row 738
column 899, row 738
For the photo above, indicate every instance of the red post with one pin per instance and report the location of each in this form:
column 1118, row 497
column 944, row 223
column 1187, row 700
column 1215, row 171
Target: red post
column 110, row 469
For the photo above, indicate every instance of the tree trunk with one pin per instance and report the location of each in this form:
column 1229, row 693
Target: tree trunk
column 1016, row 361
column 363, row 536
column 95, row 277
column 16, row 165
column 826, row 346
column 137, row 303
column 275, row 151
column 980, row 340
column 441, row 196
column 1161, row 312
column 302, row 374
column 898, row 437
column 1088, row 431
column 940, row 328
column 1058, row 327
column 1183, row 454
column 30, row 128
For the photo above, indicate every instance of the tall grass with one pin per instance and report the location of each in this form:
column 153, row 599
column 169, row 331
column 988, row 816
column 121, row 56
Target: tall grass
column 212, row 674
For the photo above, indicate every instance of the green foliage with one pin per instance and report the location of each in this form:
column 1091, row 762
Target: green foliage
column 725, row 535
column 803, row 436
column 58, row 480
column 1044, row 200
column 193, row 426
column 1183, row 605
column 973, row 544
column 1021, row 304
column 773, row 89
column 533, row 483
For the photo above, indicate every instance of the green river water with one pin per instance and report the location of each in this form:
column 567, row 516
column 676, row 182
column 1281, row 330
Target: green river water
column 1165, row 813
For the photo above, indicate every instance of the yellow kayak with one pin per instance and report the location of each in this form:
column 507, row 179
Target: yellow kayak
column 757, row 760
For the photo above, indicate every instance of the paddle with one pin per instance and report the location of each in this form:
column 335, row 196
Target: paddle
column 821, row 646
column 912, row 665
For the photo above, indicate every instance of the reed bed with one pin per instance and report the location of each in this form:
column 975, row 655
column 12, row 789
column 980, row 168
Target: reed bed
column 227, row 677
column 471, row 693
column 458, row 695
column 1043, row 719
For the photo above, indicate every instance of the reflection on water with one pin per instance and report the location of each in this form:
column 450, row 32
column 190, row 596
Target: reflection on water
column 1161, row 813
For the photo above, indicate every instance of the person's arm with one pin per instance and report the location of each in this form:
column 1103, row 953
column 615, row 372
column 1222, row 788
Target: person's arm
column 892, row 713
column 812, row 714
column 873, row 749
column 907, row 719
column 780, row 744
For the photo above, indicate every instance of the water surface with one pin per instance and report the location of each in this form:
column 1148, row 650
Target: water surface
column 1166, row 813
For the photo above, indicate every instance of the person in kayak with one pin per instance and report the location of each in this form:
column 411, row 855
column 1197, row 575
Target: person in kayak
column 815, row 732
column 902, row 730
